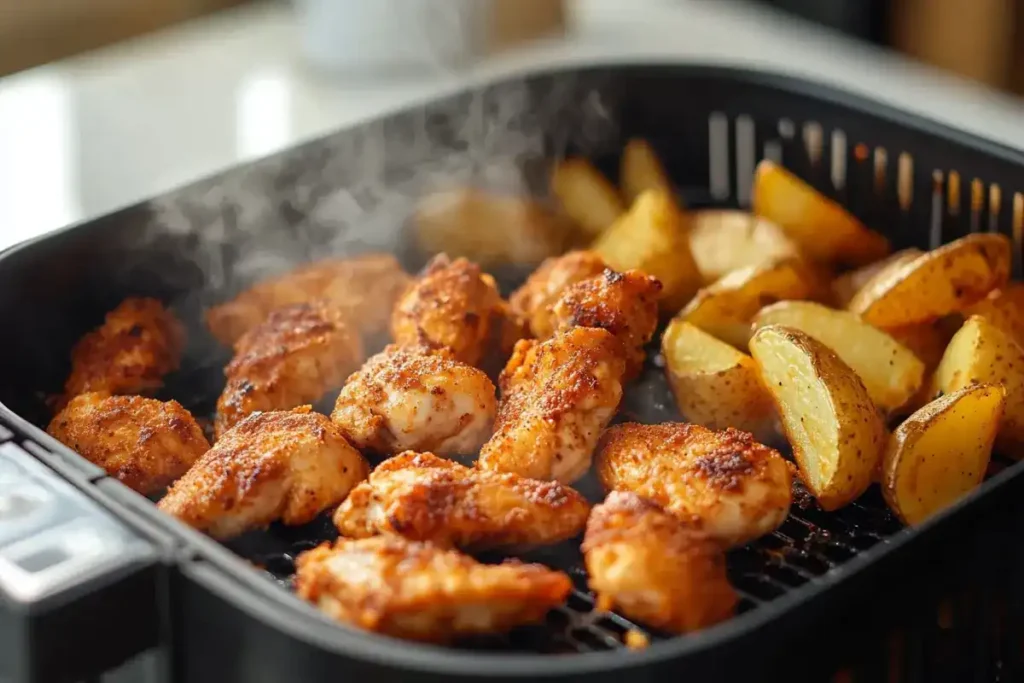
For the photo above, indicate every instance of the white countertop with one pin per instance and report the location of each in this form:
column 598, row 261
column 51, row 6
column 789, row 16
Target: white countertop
column 82, row 137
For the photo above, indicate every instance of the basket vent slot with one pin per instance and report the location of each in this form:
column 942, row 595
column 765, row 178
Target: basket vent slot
column 1018, row 233
column 813, row 141
column 905, row 181
column 978, row 205
column 838, row 159
column 718, row 154
column 786, row 129
column 953, row 193
column 995, row 205
column 881, row 171
column 935, row 223
column 773, row 150
column 745, row 158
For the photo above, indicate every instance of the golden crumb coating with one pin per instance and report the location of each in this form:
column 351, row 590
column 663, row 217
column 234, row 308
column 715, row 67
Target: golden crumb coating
column 138, row 343
column 531, row 304
column 144, row 443
column 419, row 591
column 410, row 398
column 724, row 483
column 287, row 465
column 453, row 304
column 294, row 357
column 557, row 396
column 427, row 498
column 649, row 566
column 625, row 304
column 363, row 287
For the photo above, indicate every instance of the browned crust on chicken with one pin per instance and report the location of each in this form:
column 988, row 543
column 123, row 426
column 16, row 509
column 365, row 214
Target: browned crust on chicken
column 646, row 564
column 452, row 304
column 421, row 592
column 530, row 305
column 294, row 357
column 426, row 498
column 625, row 304
column 144, row 443
column 138, row 343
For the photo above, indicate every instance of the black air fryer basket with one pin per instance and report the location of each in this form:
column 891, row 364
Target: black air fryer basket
column 849, row 594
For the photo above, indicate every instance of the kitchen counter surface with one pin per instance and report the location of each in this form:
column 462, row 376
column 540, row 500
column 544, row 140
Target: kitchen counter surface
column 82, row 137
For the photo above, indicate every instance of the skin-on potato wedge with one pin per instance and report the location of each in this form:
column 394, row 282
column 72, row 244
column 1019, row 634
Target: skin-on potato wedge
column 489, row 229
column 927, row 340
column 1004, row 308
column 714, row 384
column 835, row 430
column 981, row 353
column 641, row 170
column 890, row 371
column 824, row 230
column 942, row 281
column 848, row 284
column 725, row 308
column 652, row 236
column 940, row 453
column 586, row 196
column 726, row 240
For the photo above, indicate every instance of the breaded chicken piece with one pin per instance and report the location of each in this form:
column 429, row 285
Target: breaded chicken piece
column 287, row 465
column 557, row 396
column 419, row 591
column 294, row 357
column 364, row 288
column 531, row 304
column 649, row 566
column 144, row 443
column 625, row 304
column 724, row 483
column 412, row 398
column 427, row 498
column 138, row 343
column 452, row 304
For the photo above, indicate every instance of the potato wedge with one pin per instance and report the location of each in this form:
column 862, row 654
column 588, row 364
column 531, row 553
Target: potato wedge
column 824, row 230
column 653, row 237
column 641, row 170
column 714, row 384
column 726, row 307
column 848, row 284
column 490, row 229
column 1004, row 308
column 835, row 430
column 586, row 196
column 982, row 353
column 940, row 453
column 726, row 240
column 927, row 340
column 891, row 372
column 942, row 281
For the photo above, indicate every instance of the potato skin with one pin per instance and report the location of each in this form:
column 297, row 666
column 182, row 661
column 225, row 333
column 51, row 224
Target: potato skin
column 845, row 286
column 835, row 430
column 1004, row 308
column 957, row 429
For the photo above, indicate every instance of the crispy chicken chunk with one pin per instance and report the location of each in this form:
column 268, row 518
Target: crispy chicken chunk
column 364, row 288
column 409, row 398
column 531, row 304
column 138, row 343
column 144, row 443
column 287, row 465
column 625, row 304
column 557, row 396
column 648, row 565
column 724, row 483
column 294, row 357
column 427, row 498
column 452, row 304
column 419, row 591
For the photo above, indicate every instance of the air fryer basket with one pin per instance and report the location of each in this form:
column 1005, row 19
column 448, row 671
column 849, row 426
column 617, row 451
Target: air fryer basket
column 848, row 592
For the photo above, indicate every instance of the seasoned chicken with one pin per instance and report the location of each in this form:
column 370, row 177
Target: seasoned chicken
column 452, row 304
column 409, row 398
column 138, row 343
column 531, row 303
column 287, row 465
column 144, row 443
column 649, row 566
column 625, row 304
column 294, row 357
column 364, row 288
column 557, row 396
column 426, row 498
column 724, row 483
column 419, row 591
